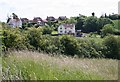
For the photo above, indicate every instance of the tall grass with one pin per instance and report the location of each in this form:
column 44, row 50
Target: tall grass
column 27, row 65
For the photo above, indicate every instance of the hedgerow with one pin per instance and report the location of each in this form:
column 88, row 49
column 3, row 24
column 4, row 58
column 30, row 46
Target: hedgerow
column 33, row 39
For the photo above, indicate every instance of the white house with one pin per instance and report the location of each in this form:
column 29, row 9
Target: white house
column 15, row 22
column 66, row 29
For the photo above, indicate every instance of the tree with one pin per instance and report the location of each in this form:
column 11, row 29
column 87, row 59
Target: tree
column 112, row 47
column 103, row 21
column 71, row 20
column 107, row 29
column 80, row 23
column 46, row 30
column 114, row 16
column 93, row 14
column 90, row 24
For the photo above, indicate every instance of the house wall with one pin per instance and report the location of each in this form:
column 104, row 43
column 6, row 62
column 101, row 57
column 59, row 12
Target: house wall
column 62, row 30
column 14, row 23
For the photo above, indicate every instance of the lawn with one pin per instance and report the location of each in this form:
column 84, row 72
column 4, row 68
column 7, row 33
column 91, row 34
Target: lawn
column 27, row 65
column 54, row 32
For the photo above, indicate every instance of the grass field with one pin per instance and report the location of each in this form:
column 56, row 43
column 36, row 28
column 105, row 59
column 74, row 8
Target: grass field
column 26, row 65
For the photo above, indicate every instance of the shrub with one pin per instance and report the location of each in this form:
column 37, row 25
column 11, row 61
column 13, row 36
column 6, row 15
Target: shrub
column 33, row 36
column 107, row 29
column 112, row 47
column 70, row 45
column 13, row 38
column 46, row 30
column 90, row 48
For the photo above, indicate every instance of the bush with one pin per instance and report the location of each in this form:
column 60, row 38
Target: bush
column 46, row 30
column 90, row 48
column 112, row 47
column 33, row 38
column 13, row 38
column 107, row 29
column 70, row 45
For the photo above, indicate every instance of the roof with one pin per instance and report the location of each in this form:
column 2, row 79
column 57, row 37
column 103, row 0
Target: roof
column 68, row 25
column 36, row 19
column 24, row 19
column 50, row 18
column 44, row 20
column 62, row 17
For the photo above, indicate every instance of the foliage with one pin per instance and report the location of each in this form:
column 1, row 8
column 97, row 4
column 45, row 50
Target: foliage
column 107, row 29
column 36, row 39
column 111, row 16
column 80, row 23
column 112, row 47
column 103, row 21
column 116, row 24
column 33, row 37
column 46, row 30
column 114, row 16
column 90, row 48
column 70, row 45
column 90, row 24
column 13, row 38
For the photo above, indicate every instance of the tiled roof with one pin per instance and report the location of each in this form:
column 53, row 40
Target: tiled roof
column 68, row 25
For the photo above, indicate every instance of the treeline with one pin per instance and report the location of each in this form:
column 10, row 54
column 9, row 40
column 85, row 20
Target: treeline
column 84, row 23
column 35, row 39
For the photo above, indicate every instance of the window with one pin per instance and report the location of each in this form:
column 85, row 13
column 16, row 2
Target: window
column 61, row 31
column 70, row 31
column 65, row 31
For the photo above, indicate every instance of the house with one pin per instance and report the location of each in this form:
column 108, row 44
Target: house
column 24, row 20
column 66, row 29
column 62, row 18
column 37, row 19
column 51, row 18
column 15, row 23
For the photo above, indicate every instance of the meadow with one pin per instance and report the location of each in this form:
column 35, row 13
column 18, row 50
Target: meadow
column 29, row 65
column 85, row 58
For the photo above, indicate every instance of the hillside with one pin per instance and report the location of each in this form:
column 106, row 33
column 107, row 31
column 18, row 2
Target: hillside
column 33, row 65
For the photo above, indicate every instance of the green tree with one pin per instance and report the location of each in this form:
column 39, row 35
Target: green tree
column 103, row 21
column 46, row 30
column 107, row 29
column 70, row 45
column 34, row 36
column 80, row 23
column 90, row 24
column 112, row 47
column 114, row 16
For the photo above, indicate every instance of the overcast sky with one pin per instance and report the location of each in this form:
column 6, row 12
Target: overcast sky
column 44, row 8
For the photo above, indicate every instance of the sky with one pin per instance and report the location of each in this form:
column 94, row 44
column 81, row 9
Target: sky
column 43, row 8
